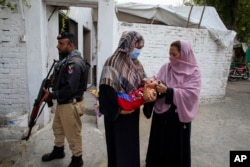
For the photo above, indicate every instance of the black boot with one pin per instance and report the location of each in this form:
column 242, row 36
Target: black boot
column 57, row 153
column 76, row 161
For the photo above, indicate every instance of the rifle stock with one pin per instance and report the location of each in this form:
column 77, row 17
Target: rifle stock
column 37, row 110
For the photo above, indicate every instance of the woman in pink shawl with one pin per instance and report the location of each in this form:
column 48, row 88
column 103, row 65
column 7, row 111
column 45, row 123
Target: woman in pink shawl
column 175, row 108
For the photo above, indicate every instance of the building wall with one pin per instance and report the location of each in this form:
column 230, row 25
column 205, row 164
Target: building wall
column 83, row 17
column 13, row 69
column 214, row 61
column 106, row 33
column 24, row 62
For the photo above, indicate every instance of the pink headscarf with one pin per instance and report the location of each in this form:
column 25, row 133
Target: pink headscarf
column 183, row 75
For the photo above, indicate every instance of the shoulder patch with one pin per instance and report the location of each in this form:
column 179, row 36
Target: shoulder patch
column 70, row 69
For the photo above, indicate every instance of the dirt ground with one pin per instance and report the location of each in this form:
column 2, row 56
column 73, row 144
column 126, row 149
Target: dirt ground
column 219, row 127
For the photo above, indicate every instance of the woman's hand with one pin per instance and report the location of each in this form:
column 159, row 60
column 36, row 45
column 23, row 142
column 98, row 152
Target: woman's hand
column 161, row 88
column 126, row 112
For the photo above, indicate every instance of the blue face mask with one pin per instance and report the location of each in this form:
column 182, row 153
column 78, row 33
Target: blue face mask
column 135, row 53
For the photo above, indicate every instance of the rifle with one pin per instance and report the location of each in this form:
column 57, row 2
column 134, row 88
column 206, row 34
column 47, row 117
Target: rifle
column 36, row 111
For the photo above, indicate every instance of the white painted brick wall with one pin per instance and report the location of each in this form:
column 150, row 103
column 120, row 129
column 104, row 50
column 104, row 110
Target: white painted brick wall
column 13, row 72
column 214, row 61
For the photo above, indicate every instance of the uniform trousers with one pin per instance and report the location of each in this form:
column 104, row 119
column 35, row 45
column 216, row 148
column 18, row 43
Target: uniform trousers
column 67, row 124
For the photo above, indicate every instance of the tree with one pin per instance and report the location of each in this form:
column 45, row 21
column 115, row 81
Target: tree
column 13, row 5
column 234, row 14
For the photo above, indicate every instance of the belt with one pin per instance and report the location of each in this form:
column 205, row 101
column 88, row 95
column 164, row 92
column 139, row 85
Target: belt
column 74, row 100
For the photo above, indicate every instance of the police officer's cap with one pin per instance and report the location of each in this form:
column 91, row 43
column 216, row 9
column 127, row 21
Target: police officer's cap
column 66, row 35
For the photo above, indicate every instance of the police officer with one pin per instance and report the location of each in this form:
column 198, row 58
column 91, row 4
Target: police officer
column 69, row 84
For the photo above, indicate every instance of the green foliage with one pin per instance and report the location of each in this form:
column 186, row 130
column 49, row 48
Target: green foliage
column 235, row 14
column 242, row 20
column 65, row 17
column 26, row 3
column 12, row 5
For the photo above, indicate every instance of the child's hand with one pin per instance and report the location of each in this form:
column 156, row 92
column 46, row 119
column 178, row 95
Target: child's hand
column 149, row 94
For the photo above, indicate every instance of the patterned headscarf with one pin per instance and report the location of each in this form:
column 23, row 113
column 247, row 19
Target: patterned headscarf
column 120, row 71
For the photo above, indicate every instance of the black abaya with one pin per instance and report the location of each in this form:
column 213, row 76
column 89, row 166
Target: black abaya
column 122, row 131
column 169, row 142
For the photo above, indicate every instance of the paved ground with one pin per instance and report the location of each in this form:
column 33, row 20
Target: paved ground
column 222, row 126
column 219, row 127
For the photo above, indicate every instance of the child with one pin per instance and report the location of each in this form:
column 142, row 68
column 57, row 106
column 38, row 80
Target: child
column 134, row 99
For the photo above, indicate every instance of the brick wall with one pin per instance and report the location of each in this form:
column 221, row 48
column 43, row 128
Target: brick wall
column 13, row 73
column 214, row 61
